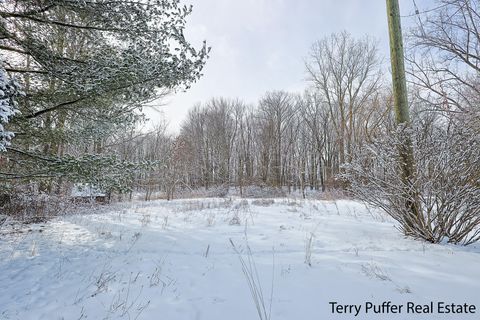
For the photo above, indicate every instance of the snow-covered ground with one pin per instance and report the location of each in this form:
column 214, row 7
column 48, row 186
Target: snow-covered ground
column 175, row 261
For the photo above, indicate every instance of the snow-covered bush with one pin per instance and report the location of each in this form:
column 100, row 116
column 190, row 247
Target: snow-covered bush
column 445, row 186
column 220, row 191
column 330, row 195
column 263, row 202
column 253, row 191
column 9, row 89
column 33, row 207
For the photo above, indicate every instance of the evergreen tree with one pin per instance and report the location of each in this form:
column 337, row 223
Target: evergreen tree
column 88, row 68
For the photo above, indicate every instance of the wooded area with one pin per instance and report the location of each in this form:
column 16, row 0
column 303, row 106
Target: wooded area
column 76, row 75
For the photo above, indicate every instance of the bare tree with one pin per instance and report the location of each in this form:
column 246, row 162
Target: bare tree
column 346, row 72
column 444, row 59
column 276, row 112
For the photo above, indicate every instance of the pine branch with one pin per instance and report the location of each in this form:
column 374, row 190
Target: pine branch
column 58, row 23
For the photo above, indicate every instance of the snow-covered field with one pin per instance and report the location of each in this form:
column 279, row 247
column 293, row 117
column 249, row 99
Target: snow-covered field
column 175, row 261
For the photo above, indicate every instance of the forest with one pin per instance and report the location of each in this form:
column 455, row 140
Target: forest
column 398, row 133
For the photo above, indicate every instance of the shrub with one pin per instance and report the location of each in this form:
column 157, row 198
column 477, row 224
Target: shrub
column 33, row 207
column 445, row 185
column 253, row 191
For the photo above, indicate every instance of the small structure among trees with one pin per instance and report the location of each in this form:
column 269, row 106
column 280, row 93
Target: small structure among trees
column 84, row 192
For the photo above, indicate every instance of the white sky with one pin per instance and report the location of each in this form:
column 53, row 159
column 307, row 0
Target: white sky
column 260, row 45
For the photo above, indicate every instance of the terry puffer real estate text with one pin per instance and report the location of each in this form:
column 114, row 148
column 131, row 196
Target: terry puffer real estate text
column 388, row 307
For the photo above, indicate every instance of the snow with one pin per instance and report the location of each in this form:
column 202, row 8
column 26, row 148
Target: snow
column 174, row 260
column 8, row 90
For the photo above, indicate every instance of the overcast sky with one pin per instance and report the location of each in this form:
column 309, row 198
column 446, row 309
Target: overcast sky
column 260, row 45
